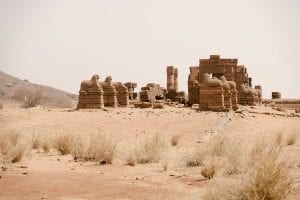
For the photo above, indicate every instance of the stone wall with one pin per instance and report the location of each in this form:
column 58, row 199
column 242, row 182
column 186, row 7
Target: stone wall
column 240, row 83
column 151, row 92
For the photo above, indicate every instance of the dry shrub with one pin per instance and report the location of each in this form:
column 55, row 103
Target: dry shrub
column 46, row 144
column 130, row 158
column 149, row 151
column 278, row 138
column 30, row 97
column 101, row 148
column 175, row 139
column 63, row 143
column 265, row 176
column 209, row 170
column 234, row 156
column 35, row 141
column 13, row 148
column 95, row 148
column 79, row 148
column 165, row 165
column 291, row 139
column 217, row 145
column 39, row 141
column 196, row 157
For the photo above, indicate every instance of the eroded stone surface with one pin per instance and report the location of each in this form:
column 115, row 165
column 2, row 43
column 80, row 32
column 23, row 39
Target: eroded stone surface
column 215, row 73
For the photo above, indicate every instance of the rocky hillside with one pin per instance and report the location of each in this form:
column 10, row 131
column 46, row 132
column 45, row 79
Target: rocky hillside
column 16, row 89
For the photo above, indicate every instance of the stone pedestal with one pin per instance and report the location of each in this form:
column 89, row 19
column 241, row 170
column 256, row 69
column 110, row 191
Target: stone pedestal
column 92, row 98
column 110, row 96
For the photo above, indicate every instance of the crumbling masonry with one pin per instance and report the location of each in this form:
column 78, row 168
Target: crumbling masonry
column 96, row 94
column 221, row 84
column 172, row 86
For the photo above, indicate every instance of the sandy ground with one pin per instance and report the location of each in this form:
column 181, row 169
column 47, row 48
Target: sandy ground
column 53, row 176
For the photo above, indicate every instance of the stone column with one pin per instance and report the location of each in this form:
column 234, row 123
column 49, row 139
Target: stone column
column 176, row 79
column 170, row 78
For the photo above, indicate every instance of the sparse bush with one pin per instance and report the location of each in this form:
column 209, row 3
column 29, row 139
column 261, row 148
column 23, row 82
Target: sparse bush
column 46, row 145
column 196, row 157
column 130, row 159
column 11, row 147
column 175, row 139
column 101, row 148
column 79, row 148
column 265, row 176
column 234, row 156
column 63, row 143
column 35, row 141
column 291, row 139
column 278, row 138
column 32, row 99
column 39, row 141
column 217, row 145
column 151, row 150
column 209, row 170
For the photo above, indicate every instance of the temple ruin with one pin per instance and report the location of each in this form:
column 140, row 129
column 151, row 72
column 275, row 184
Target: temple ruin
column 96, row 94
column 152, row 92
column 218, row 84
column 172, row 92
column 131, row 86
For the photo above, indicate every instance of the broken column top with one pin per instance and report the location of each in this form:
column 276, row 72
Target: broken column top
column 172, row 69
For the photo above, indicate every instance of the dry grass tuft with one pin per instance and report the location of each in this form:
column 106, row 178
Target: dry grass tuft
column 35, row 141
column 278, row 138
column 265, row 176
column 95, row 148
column 12, row 148
column 130, row 159
column 217, row 145
column 46, row 144
column 149, row 151
column 101, row 148
column 291, row 139
column 196, row 157
column 174, row 139
column 64, row 143
column 209, row 170
column 234, row 156
column 79, row 148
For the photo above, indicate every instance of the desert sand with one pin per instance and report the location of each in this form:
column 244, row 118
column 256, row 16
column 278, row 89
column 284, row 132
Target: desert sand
column 51, row 175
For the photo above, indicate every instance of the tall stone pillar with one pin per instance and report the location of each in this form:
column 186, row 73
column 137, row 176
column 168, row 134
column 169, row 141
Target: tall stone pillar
column 170, row 78
column 176, row 79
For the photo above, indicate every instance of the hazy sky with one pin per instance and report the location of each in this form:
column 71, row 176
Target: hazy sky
column 61, row 42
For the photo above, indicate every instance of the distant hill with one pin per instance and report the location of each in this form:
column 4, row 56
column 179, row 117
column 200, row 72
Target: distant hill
column 15, row 88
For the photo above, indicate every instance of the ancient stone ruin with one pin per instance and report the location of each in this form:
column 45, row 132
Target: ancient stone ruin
column 152, row 92
column 131, row 86
column 96, row 94
column 172, row 92
column 91, row 94
column 218, row 84
column 276, row 95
